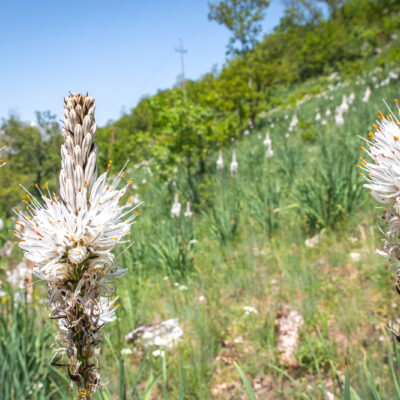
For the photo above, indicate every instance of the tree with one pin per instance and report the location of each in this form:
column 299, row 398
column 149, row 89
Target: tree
column 33, row 149
column 183, row 132
column 300, row 13
column 242, row 17
column 334, row 5
column 32, row 154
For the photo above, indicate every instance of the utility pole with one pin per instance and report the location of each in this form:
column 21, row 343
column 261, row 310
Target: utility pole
column 182, row 51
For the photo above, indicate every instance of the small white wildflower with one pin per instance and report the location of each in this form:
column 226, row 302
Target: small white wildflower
column 126, row 351
column 158, row 353
column 313, row 241
column 249, row 310
column 355, row 256
column 183, row 288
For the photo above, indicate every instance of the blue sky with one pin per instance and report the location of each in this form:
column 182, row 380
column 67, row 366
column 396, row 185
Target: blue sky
column 116, row 50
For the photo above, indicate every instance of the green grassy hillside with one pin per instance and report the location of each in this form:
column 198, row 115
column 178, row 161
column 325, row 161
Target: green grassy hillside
column 245, row 246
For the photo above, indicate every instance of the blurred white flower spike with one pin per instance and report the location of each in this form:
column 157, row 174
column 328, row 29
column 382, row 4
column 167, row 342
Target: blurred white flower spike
column 188, row 213
column 367, row 94
column 293, row 123
column 344, row 107
column 267, row 141
column 70, row 239
column 176, row 207
column 268, row 144
column 234, row 164
column 339, row 117
column 220, row 161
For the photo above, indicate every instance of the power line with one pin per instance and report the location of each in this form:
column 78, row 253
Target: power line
column 182, row 51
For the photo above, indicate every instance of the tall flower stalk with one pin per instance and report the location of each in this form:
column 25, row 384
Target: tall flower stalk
column 383, row 179
column 70, row 239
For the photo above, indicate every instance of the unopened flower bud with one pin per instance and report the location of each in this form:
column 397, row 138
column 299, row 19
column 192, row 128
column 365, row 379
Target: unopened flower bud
column 77, row 255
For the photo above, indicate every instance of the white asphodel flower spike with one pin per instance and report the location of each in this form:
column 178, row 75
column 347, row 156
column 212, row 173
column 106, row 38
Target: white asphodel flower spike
column 267, row 141
column 293, row 122
column 367, row 94
column 176, row 207
column 383, row 179
column 383, row 174
column 70, row 239
column 220, row 161
column 234, row 164
column 188, row 213
column 344, row 107
column 339, row 117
